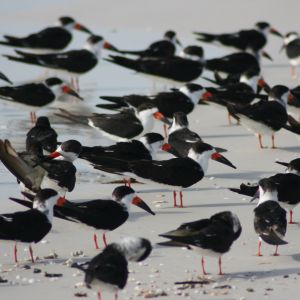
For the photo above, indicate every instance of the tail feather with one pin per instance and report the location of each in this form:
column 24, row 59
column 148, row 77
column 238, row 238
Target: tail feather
column 206, row 37
column 272, row 239
column 27, row 60
column 71, row 117
column 112, row 165
column 124, row 62
column 114, row 99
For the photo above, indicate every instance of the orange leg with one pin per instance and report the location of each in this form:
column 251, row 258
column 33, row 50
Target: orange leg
column 273, row 141
column 31, row 254
column 203, row 266
column 276, row 251
column 99, row 295
column 104, row 239
column 165, row 130
column 174, row 198
column 96, row 241
column 260, row 141
column 16, row 253
column 291, row 217
column 259, row 248
column 181, row 202
column 293, row 72
column 220, row 266
column 229, row 119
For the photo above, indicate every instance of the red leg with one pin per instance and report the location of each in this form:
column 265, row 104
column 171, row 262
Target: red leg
column 220, row 266
column 165, row 130
column 203, row 266
column 99, row 295
column 259, row 248
column 15, row 253
column 104, row 239
column 125, row 181
column 181, row 202
column 96, row 241
column 291, row 217
column 276, row 251
column 116, row 296
column 129, row 183
column 31, row 254
column 229, row 119
column 293, row 72
column 174, row 198
column 273, row 141
column 260, row 141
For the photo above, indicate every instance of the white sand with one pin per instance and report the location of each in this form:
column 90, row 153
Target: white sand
column 133, row 24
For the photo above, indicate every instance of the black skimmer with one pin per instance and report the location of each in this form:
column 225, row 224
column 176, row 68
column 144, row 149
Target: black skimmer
column 108, row 271
column 50, row 39
column 5, row 78
column 42, row 133
column 269, row 217
column 212, row 237
column 30, row 226
column 183, row 99
column 252, row 40
column 265, row 117
column 291, row 45
column 144, row 148
column 73, row 62
column 55, row 171
column 103, row 215
column 175, row 69
column 175, row 173
column 34, row 96
column 123, row 126
column 162, row 48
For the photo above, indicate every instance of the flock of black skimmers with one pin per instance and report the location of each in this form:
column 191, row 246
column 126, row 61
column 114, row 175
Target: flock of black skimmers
column 45, row 169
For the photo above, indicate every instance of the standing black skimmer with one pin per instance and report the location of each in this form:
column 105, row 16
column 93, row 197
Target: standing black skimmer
column 144, row 148
column 73, row 62
column 42, row 133
column 212, row 237
column 184, row 99
column 265, row 117
column 123, row 126
column 108, row 271
column 162, row 48
column 55, row 171
column 175, row 173
column 269, row 217
column 36, row 95
column 50, row 39
column 291, row 44
column 175, row 69
column 30, row 226
column 102, row 215
column 5, row 78
column 249, row 39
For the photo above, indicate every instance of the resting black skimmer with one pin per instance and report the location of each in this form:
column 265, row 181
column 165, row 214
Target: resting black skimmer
column 30, row 226
column 36, row 95
column 183, row 99
column 211, row 237
column 265, row 117
column 252, row 40
column 73, row 62
column 103, row 215
column 108, row 271
column 42, row 133
column 291, row 45
column 269, row 217
column 175, row 69
column 144, row 148
column 50, row 39
column 162, row 48
column 5, row 78
column 123, row 126
column 175, row 173
column 55, row 171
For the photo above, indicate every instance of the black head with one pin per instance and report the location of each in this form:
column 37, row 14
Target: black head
column 72, row 146
column 253, row 71
column 94, row 39
column 194, row 51
column 66, row 20
column 180, row 119
column 262, row 25
column 267, row 185
column 42, row 122
column 294, row 165
column 53, row 81
column 193, row 87
column 45, row 194
column 200, row 147
column 121, row 191
column 153, row 137
column 277, row 91
column 145, row 106
column 170, row 34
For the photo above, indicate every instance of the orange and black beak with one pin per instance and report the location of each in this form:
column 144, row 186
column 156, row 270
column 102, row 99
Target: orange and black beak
column 82, row 28
column 262, row 85
column 110, row 47
column 67, row 90
column 275, row 32
column 140, row 203
column 256, row 196
column 221, row 159
column 166, row 147
column 206, row 96
column 53, row 155
column 159, row 116
column 266, row 55
column 291, row 98
column 61, row 201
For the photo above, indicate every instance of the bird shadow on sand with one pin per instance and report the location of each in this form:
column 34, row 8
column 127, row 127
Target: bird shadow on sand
column 225, row 135
column 241, row 175
column 170, row 191
column 221, row 204
column 294, row 149
column 137, row 215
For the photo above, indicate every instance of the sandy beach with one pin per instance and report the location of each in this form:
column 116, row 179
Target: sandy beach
column 133, row 25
